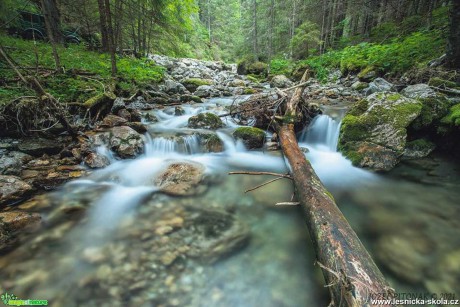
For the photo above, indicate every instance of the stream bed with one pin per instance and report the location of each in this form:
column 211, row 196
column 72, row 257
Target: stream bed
column 112, row 239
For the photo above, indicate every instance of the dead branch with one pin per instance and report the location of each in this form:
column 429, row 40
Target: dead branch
column 263, row 184
column 41, row 94
column 287, row 176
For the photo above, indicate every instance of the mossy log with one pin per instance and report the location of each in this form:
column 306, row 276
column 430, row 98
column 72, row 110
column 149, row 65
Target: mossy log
column 349, row 271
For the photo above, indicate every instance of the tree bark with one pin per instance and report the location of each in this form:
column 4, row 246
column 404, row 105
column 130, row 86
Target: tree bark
column 53, row 30
column 103, row 25
column 110, row 38
column 348, row 269
column 453, row 47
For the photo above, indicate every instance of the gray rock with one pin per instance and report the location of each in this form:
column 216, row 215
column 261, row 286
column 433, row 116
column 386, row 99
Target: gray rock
column 205, row 121
column 118, row 104
column 359, row 85
column 419, row 91
column 182, row 178
column 14, row 222
column 11, row 163
column 39, row 146
column 173, row 87
column 373, row 133
column 418, row 149
column 125, row 141
column 281, row 81
column 94, row 160
column 205, row 91
column 379, row 85
column 13, row 189
column 252, row 138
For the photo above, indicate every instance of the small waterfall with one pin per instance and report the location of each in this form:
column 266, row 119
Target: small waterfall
column 324, row 130
column 189, row 144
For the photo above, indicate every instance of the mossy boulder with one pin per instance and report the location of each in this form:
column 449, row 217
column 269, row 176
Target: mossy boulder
column 252, row 138
column 453, row 116
column 367, row 74
column 193, row 83
column 419, row 148
column 438, row 82
column 211, row 142
column 373, row 132
column 205, row 121
column 434, row 105
column 258, row 68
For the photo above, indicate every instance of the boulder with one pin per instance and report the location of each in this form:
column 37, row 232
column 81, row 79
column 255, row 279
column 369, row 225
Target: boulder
column 418, row 149
column 258, row 68
column 379, row 85
column 281, row 81
column 173, row 87
column 205, row 91
column 367, row 74
column 113, row 120
column 118, row 104
column 418, row 91
column 373, row 132
column 359, row 85
column 13, row 189
column 182, row 178
column 252, row 138
column 192, row 84
column 125, row 141
column 11, row 163
column 211, row 142
column 94, row 160
column 12, row 222
column 205, row 121
column 39, row 146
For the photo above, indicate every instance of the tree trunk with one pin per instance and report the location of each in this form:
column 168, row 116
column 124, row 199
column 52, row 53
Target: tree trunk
column 52, row 18
column 103, row 25
column 110, row 39
column 453, row 46
column 255, row 38
column 348, row 269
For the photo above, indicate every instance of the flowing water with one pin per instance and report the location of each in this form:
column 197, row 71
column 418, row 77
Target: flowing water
column 107, row 241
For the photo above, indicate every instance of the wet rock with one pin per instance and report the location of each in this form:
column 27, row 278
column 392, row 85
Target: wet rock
column 13, row 189
column 367, row 75
column 418, row 149
column 11, row 163
column 182, row 178
column 13, row 222
column 379, row 85
column 214, row 234
column 178, row 111
column 281, row 81
column 211, row 142
column 252, row 138
column 93, row 160
column 373, row 133
column 39, row 146
column 237, row 83
column 406, row 255
column 446, row 274
column 137, row 126
column 159, row 100
column 149, row 117
column 113, row 121
column 125, row 141
column 205, row 121
column 190, row 98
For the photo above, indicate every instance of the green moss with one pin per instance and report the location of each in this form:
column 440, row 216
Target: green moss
column 197, row 82
column 365, row 71
column 252, row 137
column 258, row 68
column 433, row 109
column 353, row 128
column 393, row 97
column 359, row 107
column 419, row 145
column 205, row 121
column 453, row 118
column 438, row 82
column 252, row 78
column 249, row 91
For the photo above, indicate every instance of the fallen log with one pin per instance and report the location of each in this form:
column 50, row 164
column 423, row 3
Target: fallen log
column 349, row 271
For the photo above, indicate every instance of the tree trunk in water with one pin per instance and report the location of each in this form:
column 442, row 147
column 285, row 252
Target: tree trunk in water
column 103, row 26
column 348, row 269
column 110, row 38
column 52, row 18
column 453, row 47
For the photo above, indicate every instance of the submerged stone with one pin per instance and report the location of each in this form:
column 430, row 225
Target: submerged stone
column 182, row 178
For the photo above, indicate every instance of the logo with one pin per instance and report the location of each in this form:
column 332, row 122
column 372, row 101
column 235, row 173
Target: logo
column 10, row 299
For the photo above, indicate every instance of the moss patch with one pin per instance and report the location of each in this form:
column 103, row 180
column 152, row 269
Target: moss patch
column 453, row 118
column 205, row 121
column 251, row 137
column 197, row 82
